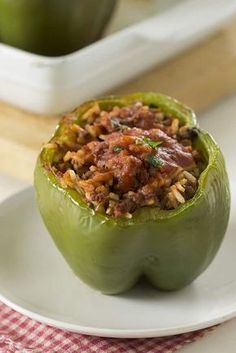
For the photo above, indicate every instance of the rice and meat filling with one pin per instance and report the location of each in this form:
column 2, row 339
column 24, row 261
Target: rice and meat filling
column 130, row 157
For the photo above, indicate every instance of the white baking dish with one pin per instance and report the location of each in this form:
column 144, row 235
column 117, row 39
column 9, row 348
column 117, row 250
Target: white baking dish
column 54, row 85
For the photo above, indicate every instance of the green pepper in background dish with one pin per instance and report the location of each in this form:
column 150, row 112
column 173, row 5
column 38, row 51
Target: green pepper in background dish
column 169, row 247
column 53, row 27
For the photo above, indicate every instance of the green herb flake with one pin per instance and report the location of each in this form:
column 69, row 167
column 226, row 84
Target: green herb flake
column 118, row 149
column 154, row 161
column 147, row 141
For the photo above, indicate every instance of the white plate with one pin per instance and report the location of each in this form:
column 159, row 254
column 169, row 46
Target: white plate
column 36, row 281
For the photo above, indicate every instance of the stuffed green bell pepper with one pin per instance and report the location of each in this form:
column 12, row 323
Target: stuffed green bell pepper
column 131, row 187
column 53, row 27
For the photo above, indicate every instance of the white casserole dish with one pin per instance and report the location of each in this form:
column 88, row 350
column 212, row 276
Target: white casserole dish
column 53, row 85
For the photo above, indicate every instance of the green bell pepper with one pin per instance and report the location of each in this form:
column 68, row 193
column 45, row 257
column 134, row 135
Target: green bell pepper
column 168, row 247
column 53, row 27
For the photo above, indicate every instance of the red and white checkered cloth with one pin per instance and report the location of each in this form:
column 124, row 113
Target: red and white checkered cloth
column 19, row 334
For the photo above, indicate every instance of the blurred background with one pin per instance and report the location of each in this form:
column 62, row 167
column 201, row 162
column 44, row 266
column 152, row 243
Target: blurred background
column 129, row 12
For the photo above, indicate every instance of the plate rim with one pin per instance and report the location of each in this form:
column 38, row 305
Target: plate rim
column 116, row 333
column 106, row 332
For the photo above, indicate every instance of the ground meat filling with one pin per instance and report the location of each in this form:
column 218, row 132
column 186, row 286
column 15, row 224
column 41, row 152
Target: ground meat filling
column 130, row 157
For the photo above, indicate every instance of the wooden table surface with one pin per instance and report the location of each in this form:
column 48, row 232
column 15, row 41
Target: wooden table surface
column 199, row 77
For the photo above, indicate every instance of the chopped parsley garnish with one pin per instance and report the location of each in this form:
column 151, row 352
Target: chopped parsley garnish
column 118, row 149
column 154, row 161
column 117, row 124
column 147, row 141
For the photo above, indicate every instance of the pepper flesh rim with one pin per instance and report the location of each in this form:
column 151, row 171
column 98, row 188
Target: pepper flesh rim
column 168, row 105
